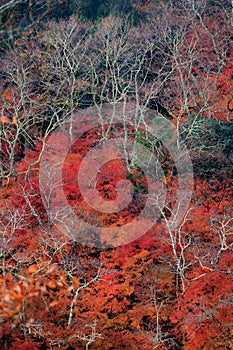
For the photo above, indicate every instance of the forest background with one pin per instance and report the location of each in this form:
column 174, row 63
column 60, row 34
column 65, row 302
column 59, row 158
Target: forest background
column 172, row 287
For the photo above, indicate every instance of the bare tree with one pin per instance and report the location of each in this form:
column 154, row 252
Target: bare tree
column 90, row 338
column 11, row 221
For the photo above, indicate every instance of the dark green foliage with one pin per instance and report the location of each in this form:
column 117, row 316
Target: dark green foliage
column 211, row 144
column 209, row 132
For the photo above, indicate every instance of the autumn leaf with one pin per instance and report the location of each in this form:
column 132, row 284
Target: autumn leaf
column 75, row 282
